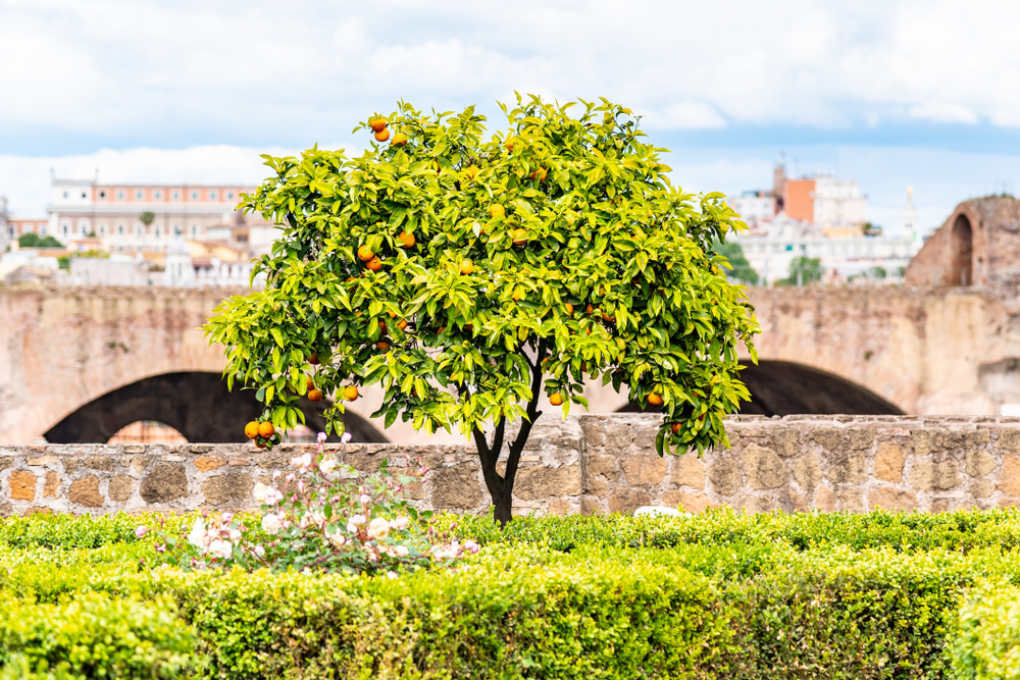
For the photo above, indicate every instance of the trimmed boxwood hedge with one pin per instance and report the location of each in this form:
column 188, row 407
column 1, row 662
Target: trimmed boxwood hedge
column 721, row 595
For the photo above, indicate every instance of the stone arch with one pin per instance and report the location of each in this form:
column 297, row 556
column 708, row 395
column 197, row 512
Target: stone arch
column 962, row 264
column 783, row 388
column 195, row 403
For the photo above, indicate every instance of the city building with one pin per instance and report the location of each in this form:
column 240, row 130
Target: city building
column 133, row 218
column 19, row 226
column 754, row 207
column 5, row 235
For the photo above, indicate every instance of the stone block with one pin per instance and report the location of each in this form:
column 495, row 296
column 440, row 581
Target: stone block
column 165, row 482
column 594, row 430
column 539, row 482
column 845, row 469
column 690, row 502
column 807, row 471
column 456, row 487
column 6, row 462
column 724, row 474
column 786, row 441
column 763, row 468
column 230, row 488
column 139, row 463
column 52, row 485
column 892, row 499
column 1009, row 476
column 103, row 463
column 561, row 508
column 36, row 461
column 861, row 438
column 921, row 441
column 688, row 470
column 791, row 501
column 606, row 466
column 982, row 488
column 980, row 463
column 70, row 465
column 922, row 475
column 644, row 468
column 85, row 491
column 626, row 501
column 22, row 485
column 618, row 438
column 889, row 460
column 275, row 461
column 364, row 463
column 589, row 505
column 946, row 474
column 850, row 500
column 828, row 438
column 207, row 463
column 120, row 488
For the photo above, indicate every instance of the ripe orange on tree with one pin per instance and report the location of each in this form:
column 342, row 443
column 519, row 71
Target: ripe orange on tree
column 377, row 124
column 497, row 210
column 471, row 171
column 266, row 429
column 538, row 174
column 676, row 428
column 466, row 267
column 365, row 253
column 382, row 135
column 402, row 324
column 399, row 139
column 655, row 399
column 556, row 399
column 310, row 385
column 382, row 346
column 406, row 240
column 251, row 430
column 375, row 264
column 382, row 326
column 314, row 395
column 569, row 307
column 313, row 359
column 350, row 393
column 520, row 236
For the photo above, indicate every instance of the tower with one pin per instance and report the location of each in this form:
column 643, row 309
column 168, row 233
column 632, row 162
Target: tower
column 910, row 219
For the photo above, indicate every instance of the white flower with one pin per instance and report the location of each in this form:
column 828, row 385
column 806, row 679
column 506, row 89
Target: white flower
column 261, row 493
column 302, row 462
column 141, row 531
column 392, row 574
column 271, row 524
column 399, row 524
column 401, row 551
column 446, row 552
column 198, row 537
column 346, row 437
column 355, row 522
column 336, row 539
column 290, row 477
column 365, row 499
column 221, row 548
column 378, row 528
column 321, row 437
column 234, row 535
column 327, row 465
column 260, row 551
column 313, row 518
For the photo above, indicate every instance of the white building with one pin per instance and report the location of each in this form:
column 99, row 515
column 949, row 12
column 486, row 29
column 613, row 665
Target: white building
column 5, row 234
column 838, row 202
column 754, row 207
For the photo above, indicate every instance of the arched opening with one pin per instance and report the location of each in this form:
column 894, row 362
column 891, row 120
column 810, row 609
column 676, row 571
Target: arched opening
column 196, row 404
column 783, row 388
column 147, row 432
column 962, row 267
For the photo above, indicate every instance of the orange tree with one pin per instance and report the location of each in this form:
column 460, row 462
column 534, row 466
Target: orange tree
column 475, row 277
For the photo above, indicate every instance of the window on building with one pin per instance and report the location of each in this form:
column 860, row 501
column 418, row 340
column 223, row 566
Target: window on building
column 230, row 195
column 194, row 231
column 138, row 195
column 65, row 230
column 83, row 195
column 212, row 195
column 42, row 230
column 157, row 232
column 158, row 195
column 177, row 231
column 138, row 229
column 177, row 195
column 65, row 194
column 102, row 194
column 120, row 229
column 194, row 195
column 102, row 229
column 120, row 195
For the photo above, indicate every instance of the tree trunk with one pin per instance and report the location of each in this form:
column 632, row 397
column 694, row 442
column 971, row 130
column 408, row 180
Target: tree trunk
column 503, row 509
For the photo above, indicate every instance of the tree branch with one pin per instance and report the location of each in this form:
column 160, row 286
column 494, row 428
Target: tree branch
column 533, row 413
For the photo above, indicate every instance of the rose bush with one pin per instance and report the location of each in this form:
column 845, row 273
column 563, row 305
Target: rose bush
column 323, row 517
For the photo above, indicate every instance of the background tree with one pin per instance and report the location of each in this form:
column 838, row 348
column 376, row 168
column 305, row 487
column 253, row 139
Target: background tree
column 740, row 269
column 803, row 270
column 33, row 240
column 475, row 279
column 147, row 218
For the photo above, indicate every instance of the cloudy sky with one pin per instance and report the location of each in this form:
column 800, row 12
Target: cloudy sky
column 889, row 93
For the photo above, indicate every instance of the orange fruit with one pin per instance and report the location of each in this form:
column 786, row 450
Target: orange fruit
column 402, row 324
column 469, row 327
column 266, row 429
column 509, row 145
column 655, row 399
column 517, row 296
column 466, row 267
column 406, row 240
column 520, row 236
column 313, row 359
column 676, row 428
column 375, row 264
column 350, row 393
column 251, row 430
column 365, row 253
column 382, row 135
column 399, row 139
column 382, row 326
column 314, row 395
column 393, row 315
column 377, row 124
column 471, row 171
column 607, row 318
column 539, row 174
column 569, row 307
column 497, row 211
column 382, row 346
column 310, row 385
column 589, row 309
column 556, row 399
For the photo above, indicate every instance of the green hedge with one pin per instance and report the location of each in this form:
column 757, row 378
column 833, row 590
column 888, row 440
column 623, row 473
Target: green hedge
column 987, row 641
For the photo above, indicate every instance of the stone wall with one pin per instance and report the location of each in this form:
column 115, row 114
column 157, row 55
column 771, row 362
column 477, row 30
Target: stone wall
column 584, row 464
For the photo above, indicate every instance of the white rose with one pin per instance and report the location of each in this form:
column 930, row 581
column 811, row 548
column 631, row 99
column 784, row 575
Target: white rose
column 336, row 539
column 401, row 550
column 327, row 465
column 198, row 537
column 271, row 524
column 261, row 493
column 221, row 548
column 378, row 528
column 399, row 524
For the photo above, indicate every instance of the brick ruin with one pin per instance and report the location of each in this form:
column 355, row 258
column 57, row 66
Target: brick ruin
column 583, row 464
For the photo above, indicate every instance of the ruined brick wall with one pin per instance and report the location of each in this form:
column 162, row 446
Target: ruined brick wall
column 584, row 464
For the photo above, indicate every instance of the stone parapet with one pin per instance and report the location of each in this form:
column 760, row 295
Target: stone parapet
column 583, row 464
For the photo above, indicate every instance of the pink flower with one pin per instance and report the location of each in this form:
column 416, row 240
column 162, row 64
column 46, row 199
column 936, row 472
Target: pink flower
column 321, row 437
column 471, row 546
column 346, row 437
column 141, row 531
column 399, row 524
column 365, row 499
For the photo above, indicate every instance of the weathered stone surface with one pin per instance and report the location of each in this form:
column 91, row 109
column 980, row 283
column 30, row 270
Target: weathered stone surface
column 85, row 491
column 606, row 466
column 538, row 482
column 850, row 500
column 6, row 462
column 627, row 500
column 889, row 461
column 104, row 463
column 1009, row 477
column 70, row 465
column 364, row 463
column 724, row 474
column 22, row 485
column 644, row 469
column 861, row 438
column 807, row 471
column 165, row 482
column 946, row 474
column 589, row 505
column 456, row 487
column 921, row 442
column 52, row 485
column 892, row 499
column 827, row 437
column 560, row 508
column 41, row 460
column 120, row 488
column 980, row 463
column 791, row 501
column 139, row 463
column 922, row 475
column 844, row 469
column 227, row 489
column 688, row 470
column 690, row 502
column 763, row 468
column 982, row 488
column 786, row 441
column 207, row 463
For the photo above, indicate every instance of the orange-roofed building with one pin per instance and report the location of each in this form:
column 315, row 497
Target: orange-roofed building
column 799, row 199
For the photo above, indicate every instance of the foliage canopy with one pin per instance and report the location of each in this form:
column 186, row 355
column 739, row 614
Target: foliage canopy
column 523, row 263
